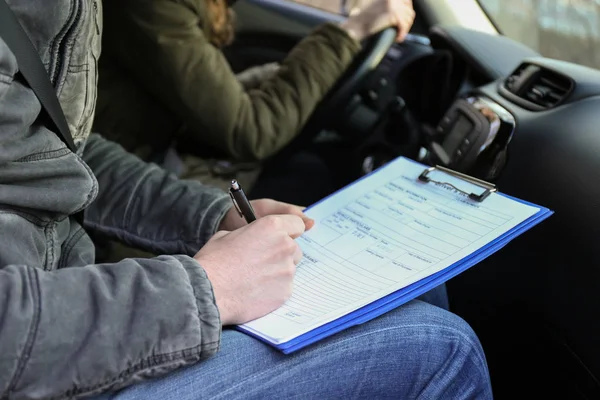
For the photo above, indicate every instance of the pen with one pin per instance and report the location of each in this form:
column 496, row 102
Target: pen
column 240, row 202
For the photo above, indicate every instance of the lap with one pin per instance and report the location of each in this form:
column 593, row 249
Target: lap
column 415, row 351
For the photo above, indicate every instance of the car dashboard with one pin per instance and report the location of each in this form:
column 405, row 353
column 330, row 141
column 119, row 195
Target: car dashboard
column 530, row 125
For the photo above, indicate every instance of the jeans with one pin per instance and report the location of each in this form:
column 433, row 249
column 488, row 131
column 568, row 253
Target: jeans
column 416, row 351
column 437, row 296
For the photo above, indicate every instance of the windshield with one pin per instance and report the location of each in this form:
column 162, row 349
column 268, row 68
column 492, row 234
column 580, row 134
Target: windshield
column 563, row 29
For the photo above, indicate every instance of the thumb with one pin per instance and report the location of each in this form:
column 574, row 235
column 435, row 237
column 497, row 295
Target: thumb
column 293, row 225
column 308, row 221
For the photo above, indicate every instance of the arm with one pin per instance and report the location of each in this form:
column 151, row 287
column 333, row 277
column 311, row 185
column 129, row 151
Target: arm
column 175, row 61
column 146, row 207
column 79, row 331
column 253, row 77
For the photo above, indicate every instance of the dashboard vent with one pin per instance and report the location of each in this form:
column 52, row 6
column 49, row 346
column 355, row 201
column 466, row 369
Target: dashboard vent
column 539, row 87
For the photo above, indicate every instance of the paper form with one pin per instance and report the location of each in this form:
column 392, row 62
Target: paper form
column 379, row 235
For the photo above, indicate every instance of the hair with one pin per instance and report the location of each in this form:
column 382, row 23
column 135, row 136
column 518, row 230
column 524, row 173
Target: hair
column 220, row 24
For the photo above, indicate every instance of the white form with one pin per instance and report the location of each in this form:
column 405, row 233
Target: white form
column 379, row 235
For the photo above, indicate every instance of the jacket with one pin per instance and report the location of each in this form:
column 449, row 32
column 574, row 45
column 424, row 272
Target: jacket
column 161, row 78
column 68, row 327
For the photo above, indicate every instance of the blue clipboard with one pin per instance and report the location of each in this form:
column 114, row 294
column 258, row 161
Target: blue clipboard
column 408, row 293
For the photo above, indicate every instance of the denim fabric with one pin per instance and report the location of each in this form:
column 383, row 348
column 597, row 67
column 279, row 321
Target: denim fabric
column 418, row 351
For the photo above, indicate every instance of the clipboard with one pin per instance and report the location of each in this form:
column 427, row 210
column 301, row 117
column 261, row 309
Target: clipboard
column 420, row 174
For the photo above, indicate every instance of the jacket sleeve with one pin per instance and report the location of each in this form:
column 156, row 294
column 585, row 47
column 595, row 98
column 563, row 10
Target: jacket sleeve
column 78, row 331
column 134, row 195
column 175, row 61
column 253, row 77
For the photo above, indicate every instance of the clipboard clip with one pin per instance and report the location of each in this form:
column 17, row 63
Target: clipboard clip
column 489, row 187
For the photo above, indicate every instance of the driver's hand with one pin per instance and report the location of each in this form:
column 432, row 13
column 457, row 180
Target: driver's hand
column 378, row 15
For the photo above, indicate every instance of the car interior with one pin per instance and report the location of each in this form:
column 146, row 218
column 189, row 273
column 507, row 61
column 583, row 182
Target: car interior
column 493, row 108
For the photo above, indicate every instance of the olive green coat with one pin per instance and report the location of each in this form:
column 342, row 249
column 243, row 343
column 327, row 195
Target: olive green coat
column 160, row 78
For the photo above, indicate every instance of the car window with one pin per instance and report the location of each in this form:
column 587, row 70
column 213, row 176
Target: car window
column 563, row 29
column 334, row 6
column 327, row 5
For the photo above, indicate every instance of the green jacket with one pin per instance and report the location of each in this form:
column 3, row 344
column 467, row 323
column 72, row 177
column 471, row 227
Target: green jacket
column 160, row 77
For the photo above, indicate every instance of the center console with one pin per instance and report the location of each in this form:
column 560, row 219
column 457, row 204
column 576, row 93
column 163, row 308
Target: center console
column 472, row 137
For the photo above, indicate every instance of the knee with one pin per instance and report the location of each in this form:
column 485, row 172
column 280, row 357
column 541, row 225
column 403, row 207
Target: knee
column 450, row 350
column 439, row 322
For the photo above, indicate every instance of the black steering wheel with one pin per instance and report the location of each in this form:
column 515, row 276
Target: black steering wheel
column 332, row 106
column 374, row 48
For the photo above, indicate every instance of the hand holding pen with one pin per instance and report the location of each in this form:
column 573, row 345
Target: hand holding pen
column 265, row 254
column 241, row 202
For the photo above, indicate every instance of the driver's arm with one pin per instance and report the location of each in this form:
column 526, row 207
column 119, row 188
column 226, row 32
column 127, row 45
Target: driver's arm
column 174, row 60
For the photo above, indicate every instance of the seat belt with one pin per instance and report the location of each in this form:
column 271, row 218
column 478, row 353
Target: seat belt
column 32, row 69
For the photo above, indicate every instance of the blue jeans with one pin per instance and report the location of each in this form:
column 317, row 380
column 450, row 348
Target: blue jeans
column 416, row 351
column 438, row 296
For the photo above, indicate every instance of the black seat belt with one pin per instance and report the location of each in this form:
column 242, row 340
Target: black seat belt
column 32, row 69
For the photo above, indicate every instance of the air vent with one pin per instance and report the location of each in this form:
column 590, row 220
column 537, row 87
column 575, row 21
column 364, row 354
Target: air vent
column 539, row 87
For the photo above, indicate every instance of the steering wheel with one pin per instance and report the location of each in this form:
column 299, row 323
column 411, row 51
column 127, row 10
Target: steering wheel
column 374, row 48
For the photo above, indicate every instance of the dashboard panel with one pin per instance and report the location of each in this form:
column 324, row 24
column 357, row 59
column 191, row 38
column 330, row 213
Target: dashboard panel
column 546, row 283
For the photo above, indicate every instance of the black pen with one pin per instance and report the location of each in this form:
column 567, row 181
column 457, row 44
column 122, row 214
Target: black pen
column 240, row 202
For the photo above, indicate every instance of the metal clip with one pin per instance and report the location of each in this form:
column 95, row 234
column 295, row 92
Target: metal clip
column 489, row 187
column 235, row 204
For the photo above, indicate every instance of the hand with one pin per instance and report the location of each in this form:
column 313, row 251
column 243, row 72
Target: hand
column 262, row 208
column 252, row 268
column 252, row 77
column 381, row 14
